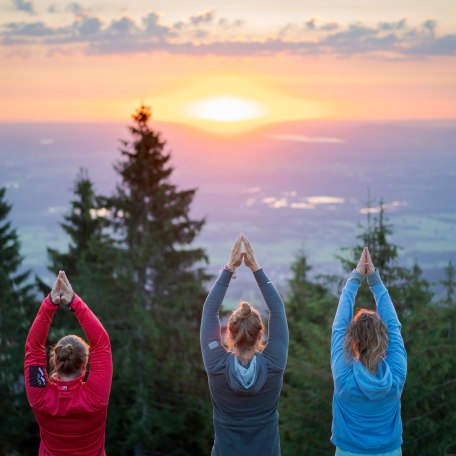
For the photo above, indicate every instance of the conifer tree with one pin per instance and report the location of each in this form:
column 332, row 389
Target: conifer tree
column 167, row 402
column 84, row 227
column 305, row 407
column 18, row 433
column 89, row 259
column 408, row 289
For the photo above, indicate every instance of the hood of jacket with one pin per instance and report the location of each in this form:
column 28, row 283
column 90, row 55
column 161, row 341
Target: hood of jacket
column 373, row 386
column 258, row 380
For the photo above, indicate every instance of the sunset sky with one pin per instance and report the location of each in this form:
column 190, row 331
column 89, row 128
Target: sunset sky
column 228, row 64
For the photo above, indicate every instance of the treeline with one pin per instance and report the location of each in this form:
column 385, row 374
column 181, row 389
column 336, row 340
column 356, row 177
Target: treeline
column 131, row 258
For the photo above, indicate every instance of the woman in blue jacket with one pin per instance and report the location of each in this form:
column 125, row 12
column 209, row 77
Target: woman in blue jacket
column 244, row 380
column 369, row 366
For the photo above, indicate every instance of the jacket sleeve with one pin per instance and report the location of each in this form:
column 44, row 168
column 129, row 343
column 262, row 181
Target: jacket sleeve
column 212, row 348
column 344, row 315
column 276, row 350
column 98, row 384
column 396, row 356
column 35, row 361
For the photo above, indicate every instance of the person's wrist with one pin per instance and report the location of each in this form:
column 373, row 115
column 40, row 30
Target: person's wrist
column 255, row 267
column 54, row 300
column 230, row 268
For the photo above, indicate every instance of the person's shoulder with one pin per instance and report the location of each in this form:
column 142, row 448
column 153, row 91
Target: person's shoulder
column 219, row 364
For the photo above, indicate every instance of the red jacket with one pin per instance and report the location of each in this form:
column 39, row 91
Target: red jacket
column 72, row 414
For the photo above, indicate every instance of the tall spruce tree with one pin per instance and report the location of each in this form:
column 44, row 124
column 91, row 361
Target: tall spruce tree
column 84, row 227
column 305, row 407
column 403, row 283
column 159, row 366
column 89, row 259
column 18, row 432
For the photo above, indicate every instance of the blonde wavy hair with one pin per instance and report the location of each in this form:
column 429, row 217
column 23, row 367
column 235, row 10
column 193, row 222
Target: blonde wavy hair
column 367, row 338
column 245, row 328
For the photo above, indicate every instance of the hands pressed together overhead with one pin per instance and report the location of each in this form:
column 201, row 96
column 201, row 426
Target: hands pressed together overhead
column 237, row 255
column 62, row 290
column 365, row 264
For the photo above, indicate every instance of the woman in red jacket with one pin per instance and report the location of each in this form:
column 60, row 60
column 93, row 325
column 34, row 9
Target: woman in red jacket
column 71, row 412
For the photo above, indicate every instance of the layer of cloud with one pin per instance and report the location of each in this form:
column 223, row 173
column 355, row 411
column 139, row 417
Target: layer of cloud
column 307, row 139
column 206, row 34
column 293, row 201
column 395, row 205
column 24, row 5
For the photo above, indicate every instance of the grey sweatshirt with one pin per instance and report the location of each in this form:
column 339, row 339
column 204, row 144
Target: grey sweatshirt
column 245, row 420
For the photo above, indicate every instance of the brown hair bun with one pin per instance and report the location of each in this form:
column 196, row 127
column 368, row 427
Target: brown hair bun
column 69, row 355
column 64, row 352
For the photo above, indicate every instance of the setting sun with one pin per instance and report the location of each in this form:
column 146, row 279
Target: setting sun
column 230, row 103
column 226, row 108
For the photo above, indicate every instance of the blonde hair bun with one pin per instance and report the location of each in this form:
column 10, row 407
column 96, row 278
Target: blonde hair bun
column 244, row 328
column 245, row 310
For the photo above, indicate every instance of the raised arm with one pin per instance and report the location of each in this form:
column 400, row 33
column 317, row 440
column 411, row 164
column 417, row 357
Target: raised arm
column 277, row 348
column 35, row 361
column 396, row 356
column 212, row 348
column 344, row 313
column 99, row 381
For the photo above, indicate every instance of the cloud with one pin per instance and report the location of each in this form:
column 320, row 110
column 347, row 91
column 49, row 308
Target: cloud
column 28, row 29
column 293, row 201
column 203, row 18
column 89, row 26
column 395, row 205
column 122, row 26
column 430, row 25
column 153, row 27
column 8, row 185
column 56, row 209
column 207, row 34
column 311, row 24
column 23, row 5
column 226, row 24
column 330, row 26
column 75, row 8
column 399, row 25
column 316, row 200
column 307, row 139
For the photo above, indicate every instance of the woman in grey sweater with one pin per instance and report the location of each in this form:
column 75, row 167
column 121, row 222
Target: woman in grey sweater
column 244, row 380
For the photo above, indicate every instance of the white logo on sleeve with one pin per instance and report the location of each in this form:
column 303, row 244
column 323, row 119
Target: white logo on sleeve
column 213, row 344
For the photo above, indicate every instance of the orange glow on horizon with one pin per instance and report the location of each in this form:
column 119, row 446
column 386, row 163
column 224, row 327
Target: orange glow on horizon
column 230, row 104
column 287, row 88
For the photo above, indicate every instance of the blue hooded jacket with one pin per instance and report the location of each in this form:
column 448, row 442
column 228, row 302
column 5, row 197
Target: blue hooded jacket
column 245, row 414
column 367, row 407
